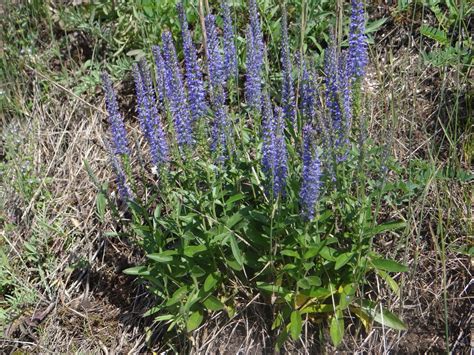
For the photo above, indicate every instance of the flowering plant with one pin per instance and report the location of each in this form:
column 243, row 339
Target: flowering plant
column 273, row 193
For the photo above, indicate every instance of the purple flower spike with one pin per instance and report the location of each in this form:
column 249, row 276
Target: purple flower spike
column 254, row 59
column 215, row 60
column 230, row 54
column 274, row 154
column 332, row 94
column 175, row 93
column 120, row 179
column 253, row 88
column 311, row 175
column 221, row 126
column 287, row 93
column 117, row 127
column 256, row 29
column 220, row 132
column 268, row 129
column 148, row 113
column 309, row 93
column 193, row 75
column 338, row 98
column 358, row 57
column 281, row 159
column 345, row 99
column 160, row 76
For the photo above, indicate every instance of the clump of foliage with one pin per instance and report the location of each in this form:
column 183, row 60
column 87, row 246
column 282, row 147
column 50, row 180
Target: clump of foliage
column 279, row 193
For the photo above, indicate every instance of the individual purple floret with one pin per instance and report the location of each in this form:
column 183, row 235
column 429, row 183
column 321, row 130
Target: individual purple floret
column 287, row 93
column 160, row 73
column 230, row 55
column 117, row 127
column 175, row 93
column 148, row 113
column 253, row 88
column 358, row 57
column 193, row 74
column 311, row 175
column 274, row 154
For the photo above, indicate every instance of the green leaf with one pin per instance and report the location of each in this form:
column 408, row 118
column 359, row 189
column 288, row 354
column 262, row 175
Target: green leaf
column 112, row 234
column 234, row 265
column 296, row 325
column 137, row 53
column 210, row 282
column 435, row 34
column 236, row 251
column 233, row 199
column 212, row 303
column 320, row 293
column 194, row 321
column 178, row 295
column 312, row 252
column 101, row 202
column 375, row 25
column 363, row 317
column 343, row 259
column 197, row 271
column 289, row 252
column 137, row 271
column 390, row 281
column 164, row 317
column 322, row 308
column 337, row 328
column 388, row 265
column 383, row 317
column 160, row 257
column 328, row 253
column 234, row 219
column 314, row 280
column 278, row 321
column 190, row 250
column 386, row 227
column 142, row 231
column 157, row 212
column 308, row 282
column 347, row 293
column 271, row 288
column 304, row 284
column 289, row 267
column 136, row 208
column 152, row 311
column 281, row 338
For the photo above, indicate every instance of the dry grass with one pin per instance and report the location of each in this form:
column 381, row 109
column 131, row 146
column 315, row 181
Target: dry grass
column 61, row 131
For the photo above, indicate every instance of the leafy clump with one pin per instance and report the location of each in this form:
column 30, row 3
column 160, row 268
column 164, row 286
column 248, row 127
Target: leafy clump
column 279, row 194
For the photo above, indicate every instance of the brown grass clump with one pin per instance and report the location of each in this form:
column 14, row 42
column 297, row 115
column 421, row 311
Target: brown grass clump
column 83, row 302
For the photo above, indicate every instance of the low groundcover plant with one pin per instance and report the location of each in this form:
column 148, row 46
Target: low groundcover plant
column 280, row 193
